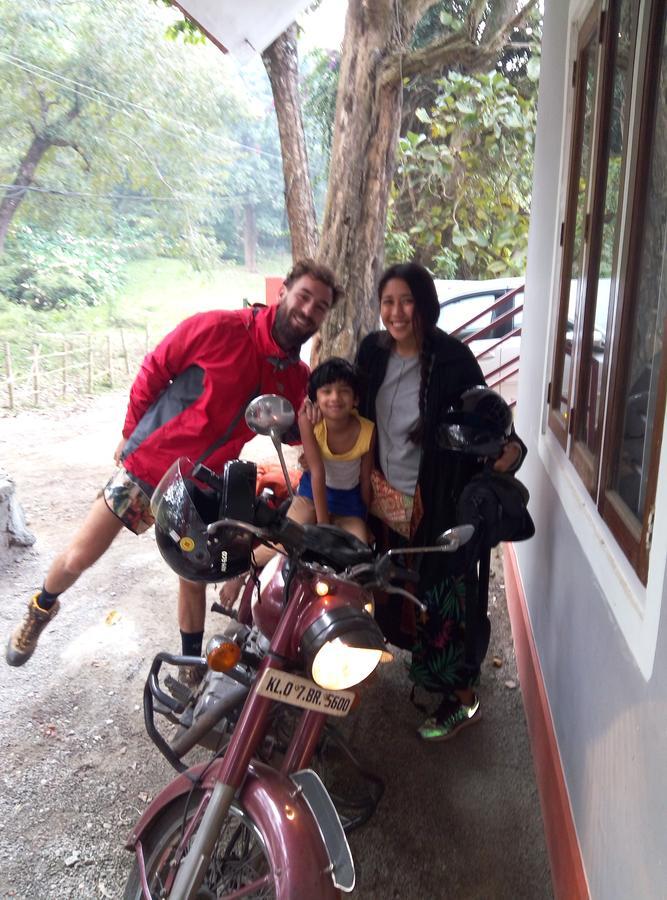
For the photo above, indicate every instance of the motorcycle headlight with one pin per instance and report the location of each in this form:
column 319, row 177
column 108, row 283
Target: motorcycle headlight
column 342, row 647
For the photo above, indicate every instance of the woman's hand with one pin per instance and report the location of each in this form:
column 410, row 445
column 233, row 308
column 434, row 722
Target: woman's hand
column 509, row 458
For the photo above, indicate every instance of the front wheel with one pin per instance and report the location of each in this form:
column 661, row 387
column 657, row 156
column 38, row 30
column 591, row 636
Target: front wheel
column 240, row 861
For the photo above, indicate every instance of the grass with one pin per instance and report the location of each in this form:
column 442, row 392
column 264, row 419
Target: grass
column 161, row 292
column 155, row 294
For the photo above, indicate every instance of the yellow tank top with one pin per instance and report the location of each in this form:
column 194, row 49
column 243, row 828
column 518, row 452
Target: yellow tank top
column 342, row 469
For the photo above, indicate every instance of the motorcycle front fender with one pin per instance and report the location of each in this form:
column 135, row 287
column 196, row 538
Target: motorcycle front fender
column 293, row 838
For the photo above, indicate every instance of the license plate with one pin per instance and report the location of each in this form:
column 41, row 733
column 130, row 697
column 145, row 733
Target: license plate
column 297, row 691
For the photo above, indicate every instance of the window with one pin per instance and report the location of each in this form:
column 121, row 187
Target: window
column 460, row 310
column 607, row 391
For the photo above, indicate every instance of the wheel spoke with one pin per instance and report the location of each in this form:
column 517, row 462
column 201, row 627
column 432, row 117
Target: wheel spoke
column 250, row 888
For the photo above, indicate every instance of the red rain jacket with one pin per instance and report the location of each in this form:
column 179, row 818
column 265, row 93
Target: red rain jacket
column 192, row 390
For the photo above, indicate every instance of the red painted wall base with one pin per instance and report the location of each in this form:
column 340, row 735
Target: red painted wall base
column 567, row 866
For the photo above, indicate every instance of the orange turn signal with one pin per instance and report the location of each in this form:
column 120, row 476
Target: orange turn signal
column 224, row 656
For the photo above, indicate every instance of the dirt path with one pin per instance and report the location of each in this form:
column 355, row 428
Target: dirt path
column 78, row 768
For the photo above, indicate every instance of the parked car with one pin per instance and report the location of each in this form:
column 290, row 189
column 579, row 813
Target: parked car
column 461, row 301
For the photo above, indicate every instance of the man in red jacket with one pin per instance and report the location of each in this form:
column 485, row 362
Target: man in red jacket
column 188, row 400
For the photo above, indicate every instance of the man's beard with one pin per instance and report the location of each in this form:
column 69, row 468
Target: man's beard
column 289, row 335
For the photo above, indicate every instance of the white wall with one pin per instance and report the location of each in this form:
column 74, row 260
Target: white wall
column 599, row 635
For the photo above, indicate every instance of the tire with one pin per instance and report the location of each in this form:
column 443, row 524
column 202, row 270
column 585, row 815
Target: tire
column 240, row 856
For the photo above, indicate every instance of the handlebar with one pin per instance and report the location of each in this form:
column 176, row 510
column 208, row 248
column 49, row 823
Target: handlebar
column 331, row 546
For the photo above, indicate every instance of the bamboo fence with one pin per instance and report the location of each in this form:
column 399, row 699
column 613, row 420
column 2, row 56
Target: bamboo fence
column 83, row 364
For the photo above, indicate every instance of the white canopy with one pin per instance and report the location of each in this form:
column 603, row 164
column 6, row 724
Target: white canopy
column 242, row 28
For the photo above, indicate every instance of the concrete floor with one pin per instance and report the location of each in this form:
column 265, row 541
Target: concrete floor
column 459, row 819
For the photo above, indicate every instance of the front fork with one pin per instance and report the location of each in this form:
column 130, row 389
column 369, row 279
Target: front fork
column 193, row 868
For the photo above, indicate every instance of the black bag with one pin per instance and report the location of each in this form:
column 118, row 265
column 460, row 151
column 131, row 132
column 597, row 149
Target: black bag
column 496, row 503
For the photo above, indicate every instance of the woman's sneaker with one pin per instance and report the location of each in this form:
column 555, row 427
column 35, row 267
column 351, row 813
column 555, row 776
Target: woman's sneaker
column 23, row 640
column 451, row 716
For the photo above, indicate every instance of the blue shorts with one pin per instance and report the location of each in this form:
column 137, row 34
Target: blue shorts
column 340, row 502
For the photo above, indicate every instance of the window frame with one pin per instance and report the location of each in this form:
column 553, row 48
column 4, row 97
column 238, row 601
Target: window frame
column 635, row 541
column 559, row 424
column 594, row 464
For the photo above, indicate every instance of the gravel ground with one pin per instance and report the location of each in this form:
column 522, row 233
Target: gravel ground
column 459, row 820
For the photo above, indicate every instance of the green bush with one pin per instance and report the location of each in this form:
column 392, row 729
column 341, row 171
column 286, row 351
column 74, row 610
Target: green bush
column 57, row 270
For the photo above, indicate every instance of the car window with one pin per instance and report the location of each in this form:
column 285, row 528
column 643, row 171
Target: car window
column 459, row 310
column 509, row 324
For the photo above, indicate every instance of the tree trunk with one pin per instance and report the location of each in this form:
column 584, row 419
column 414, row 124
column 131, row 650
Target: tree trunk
column 376, row 58
column 23, row 179
column 250, row 237
column 281, row 63
column 368, row 116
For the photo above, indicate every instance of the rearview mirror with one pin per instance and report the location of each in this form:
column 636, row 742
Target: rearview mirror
column 455, row 537
column 269, row 415
column 272, row 415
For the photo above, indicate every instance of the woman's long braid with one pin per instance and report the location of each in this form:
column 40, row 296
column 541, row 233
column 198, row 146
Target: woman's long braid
column 426, row 367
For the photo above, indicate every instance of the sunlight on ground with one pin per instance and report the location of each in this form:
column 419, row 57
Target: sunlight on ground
column 114, row 636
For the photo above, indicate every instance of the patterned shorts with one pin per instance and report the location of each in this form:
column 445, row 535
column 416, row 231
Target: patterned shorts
column 129, row 499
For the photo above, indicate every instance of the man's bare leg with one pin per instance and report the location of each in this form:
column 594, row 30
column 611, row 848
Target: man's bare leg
column 191, row 605
column 191, row 619
column 353, row 524
column 93, row 538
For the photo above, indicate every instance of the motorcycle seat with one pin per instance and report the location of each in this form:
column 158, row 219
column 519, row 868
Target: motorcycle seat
column 334, row 547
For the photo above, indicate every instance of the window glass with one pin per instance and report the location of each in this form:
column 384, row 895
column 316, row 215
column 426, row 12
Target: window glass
column 646, row 333
column 572, row 278
column 594, row 346
column 504, row 327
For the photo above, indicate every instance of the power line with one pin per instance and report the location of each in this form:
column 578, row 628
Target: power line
column 64, row 81
column 17, row 189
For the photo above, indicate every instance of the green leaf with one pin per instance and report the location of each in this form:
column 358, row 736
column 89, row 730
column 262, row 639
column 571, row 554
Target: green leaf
column 533, row 68
column 428, row 151
column 422, row 115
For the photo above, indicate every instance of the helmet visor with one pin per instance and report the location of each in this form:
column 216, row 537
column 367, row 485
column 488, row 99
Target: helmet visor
column 178, row 521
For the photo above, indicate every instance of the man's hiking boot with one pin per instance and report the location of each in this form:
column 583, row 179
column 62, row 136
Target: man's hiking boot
column 191, row 676
column 23, row 640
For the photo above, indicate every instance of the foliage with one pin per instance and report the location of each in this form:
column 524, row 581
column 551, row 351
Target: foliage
column 319, row 85
column 54, row 270
column 166, row 139
column 461, row 196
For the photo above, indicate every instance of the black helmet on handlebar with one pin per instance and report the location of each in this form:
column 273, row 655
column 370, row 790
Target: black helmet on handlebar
column 478, row 425
column 188, row 498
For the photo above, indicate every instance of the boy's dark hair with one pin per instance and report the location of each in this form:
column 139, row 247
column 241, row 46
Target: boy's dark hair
column 319, row 272
column 334, row 369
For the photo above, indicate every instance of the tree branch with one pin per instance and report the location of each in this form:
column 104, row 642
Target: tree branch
column 63, row 142
column 455, row 50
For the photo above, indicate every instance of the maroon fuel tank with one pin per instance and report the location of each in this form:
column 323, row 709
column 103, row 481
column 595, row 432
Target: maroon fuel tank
column 267, row 608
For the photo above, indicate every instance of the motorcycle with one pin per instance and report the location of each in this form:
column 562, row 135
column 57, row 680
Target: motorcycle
column 239, row 825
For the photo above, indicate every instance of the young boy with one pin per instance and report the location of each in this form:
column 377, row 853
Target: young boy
column 338, row 450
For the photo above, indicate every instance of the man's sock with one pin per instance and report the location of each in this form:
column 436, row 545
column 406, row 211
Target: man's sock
column 45, row 599
column 191, row 642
